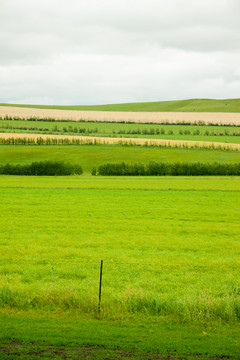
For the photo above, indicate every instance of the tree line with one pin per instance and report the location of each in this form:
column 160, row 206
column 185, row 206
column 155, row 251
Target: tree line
column 137, row 131
column 55, row 129
column 41, row 168
column 47, row 141
column 99, row 141
column 179, row 122
column 167, row 169
column 162, row 131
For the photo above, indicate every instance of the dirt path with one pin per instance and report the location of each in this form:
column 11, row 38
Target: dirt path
column 117, row 116
column 132, row 141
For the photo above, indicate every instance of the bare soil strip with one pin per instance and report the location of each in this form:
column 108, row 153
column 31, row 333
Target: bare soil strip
column 118, row 116
column 132, row 141
column 15, row 349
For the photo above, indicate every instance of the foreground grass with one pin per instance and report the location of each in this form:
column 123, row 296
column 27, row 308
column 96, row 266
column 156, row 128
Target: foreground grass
column 28, row 336
column 222, row 183
column 169, row 254
column 191, row 105
column 170, row 277
column 89, row 156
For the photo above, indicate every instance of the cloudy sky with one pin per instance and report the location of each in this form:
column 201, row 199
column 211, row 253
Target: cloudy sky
column 112, row 51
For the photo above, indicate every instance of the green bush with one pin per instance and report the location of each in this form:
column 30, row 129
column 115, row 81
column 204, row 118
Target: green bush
column 170, row 169
column 49, row 168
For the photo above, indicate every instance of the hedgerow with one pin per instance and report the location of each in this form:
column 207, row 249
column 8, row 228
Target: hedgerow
column 137, row 131
column 167, row 168
column 41, row 168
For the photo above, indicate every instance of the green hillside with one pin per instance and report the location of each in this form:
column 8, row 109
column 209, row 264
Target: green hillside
column 89, row 156
column 191, row 105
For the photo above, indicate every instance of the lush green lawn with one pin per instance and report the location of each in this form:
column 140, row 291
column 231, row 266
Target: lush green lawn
column 90, row 155
column 165, row 253
column 170, row 274
column 33, row 337
column 222, row 183
column 170, row 248
column 191, row 105
column 228, row 134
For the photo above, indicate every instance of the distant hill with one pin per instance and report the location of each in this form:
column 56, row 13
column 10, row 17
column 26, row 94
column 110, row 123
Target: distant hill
column 191, row 105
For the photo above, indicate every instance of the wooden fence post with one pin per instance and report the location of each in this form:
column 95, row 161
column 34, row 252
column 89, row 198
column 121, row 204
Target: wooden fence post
column 100, row 287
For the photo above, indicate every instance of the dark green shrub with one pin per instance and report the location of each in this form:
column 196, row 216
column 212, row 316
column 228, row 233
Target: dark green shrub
column 170, row 169
column 42, row 168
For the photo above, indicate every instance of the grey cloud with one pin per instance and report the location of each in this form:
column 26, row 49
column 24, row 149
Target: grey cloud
column 91, row 51
column 127, row 27
column 119, row 79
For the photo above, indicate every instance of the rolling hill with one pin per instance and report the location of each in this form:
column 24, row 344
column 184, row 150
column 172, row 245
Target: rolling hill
column 191, row 105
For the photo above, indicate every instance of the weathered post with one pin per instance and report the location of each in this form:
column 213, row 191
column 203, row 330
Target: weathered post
column 100, row 287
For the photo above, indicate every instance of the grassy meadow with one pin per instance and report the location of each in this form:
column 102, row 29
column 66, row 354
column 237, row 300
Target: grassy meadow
column 89, row 156
column 210, row 133
column 164, row 253
column 191, row 105
column 170, row 247
column 170, row 286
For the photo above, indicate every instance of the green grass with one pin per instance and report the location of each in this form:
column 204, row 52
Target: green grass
column 32, row 337
column 191, row 105
column 172, row 132
column 170, row 275
column 165, row 254
column 90, row 155
column 222, row 183
column 171, row 259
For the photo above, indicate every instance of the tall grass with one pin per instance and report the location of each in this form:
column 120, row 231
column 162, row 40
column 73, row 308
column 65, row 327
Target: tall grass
column 104, row 141
column 188, row 308
column 167, row 253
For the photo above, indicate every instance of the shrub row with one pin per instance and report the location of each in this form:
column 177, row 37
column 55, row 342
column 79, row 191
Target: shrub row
column 162, row 131
column 166, row 168
column 151, row 131
column 55, row 129
column 49, row 119
column 47, row 141
column 130, row 142
column 50, row 168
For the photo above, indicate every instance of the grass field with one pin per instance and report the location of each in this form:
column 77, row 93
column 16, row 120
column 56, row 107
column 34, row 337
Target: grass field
column 227, row 134
column 74, row 338
column 170, row 275
column 52, row 240
column 89, row 156
column 170, row 247
column 191, row 105
column 224, row 118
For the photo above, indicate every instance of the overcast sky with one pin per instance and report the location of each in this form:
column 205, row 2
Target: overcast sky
column 112, row 51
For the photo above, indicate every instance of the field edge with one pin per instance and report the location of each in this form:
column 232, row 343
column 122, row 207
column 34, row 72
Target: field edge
column 123, row 339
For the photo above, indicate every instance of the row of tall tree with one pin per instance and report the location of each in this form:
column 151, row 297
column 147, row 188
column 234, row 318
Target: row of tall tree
column 130, row 142
column 166, row 168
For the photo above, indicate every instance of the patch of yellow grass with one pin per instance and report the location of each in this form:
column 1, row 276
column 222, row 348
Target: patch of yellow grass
column 132, row 141
column 118, row 116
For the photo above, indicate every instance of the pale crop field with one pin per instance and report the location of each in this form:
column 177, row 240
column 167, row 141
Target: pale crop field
column 118, row 116
column 125, row 141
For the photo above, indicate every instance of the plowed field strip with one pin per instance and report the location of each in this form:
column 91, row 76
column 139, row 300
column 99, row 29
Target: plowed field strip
column 118, row 116
column 133, row 141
